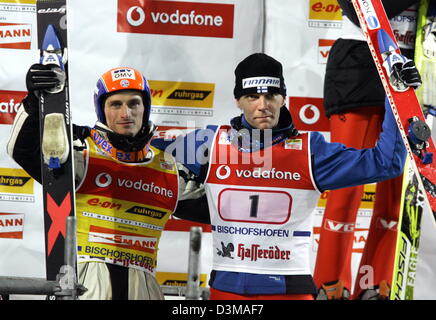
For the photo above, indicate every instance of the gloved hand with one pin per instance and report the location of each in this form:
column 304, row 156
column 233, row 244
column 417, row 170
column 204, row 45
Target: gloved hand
column 43, row 77
column 402, row 72
column 40, row 77
column 409, row 74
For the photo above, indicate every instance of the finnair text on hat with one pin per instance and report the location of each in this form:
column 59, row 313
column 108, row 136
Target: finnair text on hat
column 260, row 81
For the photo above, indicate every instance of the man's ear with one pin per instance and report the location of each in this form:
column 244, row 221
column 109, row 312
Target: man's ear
column 237, row 103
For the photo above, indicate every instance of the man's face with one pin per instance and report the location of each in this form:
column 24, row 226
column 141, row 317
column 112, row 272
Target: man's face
column 261, row 111
column 124, row 112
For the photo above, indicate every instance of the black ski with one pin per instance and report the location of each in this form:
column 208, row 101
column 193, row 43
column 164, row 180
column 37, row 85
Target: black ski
column 418, row 196
column 55, row 135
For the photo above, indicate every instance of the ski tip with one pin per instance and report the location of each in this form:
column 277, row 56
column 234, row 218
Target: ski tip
column 51, row 40
column 385, row 42
column 51, row 50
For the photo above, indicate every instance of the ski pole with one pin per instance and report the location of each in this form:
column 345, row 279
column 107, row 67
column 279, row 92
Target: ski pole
column 193, row 286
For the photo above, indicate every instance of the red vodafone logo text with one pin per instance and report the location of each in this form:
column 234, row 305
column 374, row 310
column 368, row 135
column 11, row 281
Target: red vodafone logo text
column 337, row 226
column 324, row 47
column 176, row 18
column 9, row 103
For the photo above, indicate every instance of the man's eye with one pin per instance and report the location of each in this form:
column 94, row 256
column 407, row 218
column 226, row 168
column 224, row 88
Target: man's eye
column 134, row 104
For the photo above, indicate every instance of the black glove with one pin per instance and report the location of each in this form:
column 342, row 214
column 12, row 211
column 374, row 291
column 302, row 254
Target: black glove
column 42, row 77
column 410, row 76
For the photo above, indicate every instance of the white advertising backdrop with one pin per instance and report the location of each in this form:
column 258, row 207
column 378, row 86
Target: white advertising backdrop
column 21, row 221
column 96, row 46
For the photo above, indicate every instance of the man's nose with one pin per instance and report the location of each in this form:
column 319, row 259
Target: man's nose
column 125, row 111
column 263, row 103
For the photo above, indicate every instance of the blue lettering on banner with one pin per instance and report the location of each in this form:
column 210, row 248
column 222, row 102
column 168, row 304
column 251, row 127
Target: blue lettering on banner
column 404, row 18
column 249, row 231
column 107, row 147
column 102, row 143
column 123, row 156
column 301, row 233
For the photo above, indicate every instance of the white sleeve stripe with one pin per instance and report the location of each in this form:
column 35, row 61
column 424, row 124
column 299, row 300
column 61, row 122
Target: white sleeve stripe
column 16, row 128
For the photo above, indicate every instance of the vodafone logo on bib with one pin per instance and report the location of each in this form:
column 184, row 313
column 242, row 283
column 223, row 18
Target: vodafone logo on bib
column 223, row 172
column 104, row 180
column 176, row 18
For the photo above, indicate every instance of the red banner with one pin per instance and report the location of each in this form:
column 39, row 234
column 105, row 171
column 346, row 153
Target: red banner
column 176, row 18
column 308, row 114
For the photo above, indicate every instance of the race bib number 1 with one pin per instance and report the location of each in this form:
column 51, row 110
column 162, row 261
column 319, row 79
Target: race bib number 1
column 254, row 206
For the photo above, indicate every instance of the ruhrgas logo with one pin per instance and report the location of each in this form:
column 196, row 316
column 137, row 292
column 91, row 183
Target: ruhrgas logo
column 9, row 103
column 179, row 94
column 15, row 181
column 176, row 18
column 15, row 35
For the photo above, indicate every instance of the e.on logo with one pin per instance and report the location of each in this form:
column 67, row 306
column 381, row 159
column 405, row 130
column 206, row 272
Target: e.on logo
column 324, row 10
column 324, row 14
column 176, row 18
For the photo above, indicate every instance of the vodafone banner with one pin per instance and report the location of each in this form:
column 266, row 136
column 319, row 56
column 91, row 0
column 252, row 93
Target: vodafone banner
column 184, row 19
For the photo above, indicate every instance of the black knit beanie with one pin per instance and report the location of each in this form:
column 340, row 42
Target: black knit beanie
column 259, row 73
